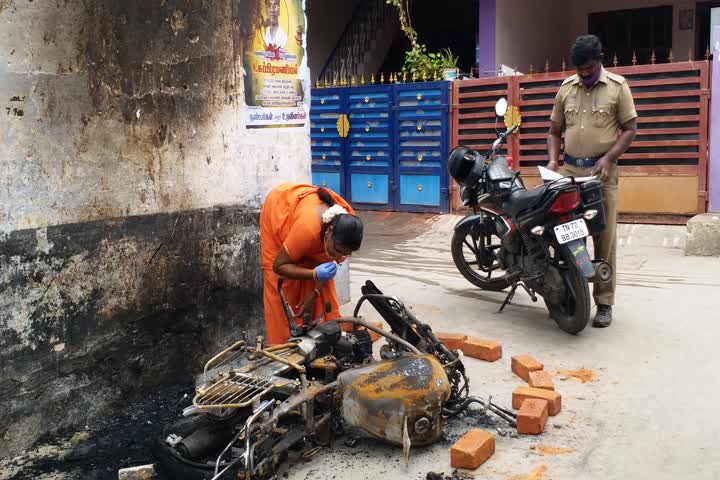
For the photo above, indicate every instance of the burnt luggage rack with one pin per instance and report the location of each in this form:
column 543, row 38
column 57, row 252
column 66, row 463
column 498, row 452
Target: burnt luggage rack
column 233, row 390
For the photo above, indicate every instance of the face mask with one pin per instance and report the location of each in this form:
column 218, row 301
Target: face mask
column 592, row 80
column 326, row 240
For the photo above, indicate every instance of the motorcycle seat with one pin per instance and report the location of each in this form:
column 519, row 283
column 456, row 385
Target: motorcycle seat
column 521, row 200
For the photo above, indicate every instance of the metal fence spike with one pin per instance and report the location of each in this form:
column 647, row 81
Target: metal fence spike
column 670, row 57
column 634, row 59
column 564, row 65
column 652, row 57
column 547, row 66
column 616, row 62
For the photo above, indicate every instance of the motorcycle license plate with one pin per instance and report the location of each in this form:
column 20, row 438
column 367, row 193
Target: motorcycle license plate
column 567, row 232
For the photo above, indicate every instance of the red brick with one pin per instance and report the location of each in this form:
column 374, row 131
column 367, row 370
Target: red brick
column 375, row 336
column 453, row 341
column 522, row 365
column 472, row 450
column 532, row 416
column 482, row 349
column 553, row 398
column 541, row 379
column 347, row 327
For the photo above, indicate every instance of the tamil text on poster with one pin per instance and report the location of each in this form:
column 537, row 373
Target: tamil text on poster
column 276, row 73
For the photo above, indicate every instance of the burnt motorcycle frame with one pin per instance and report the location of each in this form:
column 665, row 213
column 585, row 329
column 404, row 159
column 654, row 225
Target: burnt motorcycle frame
column 257, row 436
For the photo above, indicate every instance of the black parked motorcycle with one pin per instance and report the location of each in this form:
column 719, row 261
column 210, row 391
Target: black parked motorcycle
column 534, row 239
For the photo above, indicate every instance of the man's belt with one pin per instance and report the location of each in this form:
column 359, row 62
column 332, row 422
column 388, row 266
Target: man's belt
column 581, row 162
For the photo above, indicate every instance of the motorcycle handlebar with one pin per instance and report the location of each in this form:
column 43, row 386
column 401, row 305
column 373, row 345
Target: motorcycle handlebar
column 503, row 136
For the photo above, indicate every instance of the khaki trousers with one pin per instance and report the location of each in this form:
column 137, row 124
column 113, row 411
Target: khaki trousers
column 605, row 243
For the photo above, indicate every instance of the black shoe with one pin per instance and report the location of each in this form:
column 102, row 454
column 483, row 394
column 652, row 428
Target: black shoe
column 603, row 317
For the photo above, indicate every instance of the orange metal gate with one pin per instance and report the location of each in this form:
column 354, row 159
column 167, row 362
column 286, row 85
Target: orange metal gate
column 663, row 176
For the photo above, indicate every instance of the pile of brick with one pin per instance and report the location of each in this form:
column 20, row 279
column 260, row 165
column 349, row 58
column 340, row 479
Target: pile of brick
column 534, row 402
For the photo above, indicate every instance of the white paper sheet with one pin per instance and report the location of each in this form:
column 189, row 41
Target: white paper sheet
column 548, row 175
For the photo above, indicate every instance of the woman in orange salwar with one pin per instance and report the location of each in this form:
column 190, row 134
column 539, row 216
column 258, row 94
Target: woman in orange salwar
column 305, row 231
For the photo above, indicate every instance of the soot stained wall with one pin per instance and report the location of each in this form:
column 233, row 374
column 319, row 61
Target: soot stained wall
column 129, row 190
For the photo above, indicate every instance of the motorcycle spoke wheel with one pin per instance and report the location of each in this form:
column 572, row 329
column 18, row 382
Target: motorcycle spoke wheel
column 474, row 256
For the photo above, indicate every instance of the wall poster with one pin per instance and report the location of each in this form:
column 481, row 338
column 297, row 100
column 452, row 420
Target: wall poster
column 275, row 62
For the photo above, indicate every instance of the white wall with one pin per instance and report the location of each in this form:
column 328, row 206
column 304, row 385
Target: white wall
column 533, row 31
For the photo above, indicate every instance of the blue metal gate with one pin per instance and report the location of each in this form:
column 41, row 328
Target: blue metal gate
column 383, row 147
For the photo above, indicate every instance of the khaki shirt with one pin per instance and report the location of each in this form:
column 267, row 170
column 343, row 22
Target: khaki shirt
column 592, row 118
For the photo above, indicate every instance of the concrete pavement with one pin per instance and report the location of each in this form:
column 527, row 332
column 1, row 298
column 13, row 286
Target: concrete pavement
column 649, row 410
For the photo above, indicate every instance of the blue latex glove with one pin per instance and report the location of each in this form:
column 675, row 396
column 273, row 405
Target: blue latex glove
column 326, row 271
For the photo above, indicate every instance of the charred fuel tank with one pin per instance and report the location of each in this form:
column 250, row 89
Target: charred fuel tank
column 379, row 397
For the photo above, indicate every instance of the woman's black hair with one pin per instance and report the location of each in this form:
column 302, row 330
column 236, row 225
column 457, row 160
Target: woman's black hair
column 325, row 196
column 347, row 229
column 585, row 49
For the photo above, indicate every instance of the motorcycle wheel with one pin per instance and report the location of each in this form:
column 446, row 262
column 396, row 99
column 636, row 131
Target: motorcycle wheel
column 470, row 242
column 573, row 314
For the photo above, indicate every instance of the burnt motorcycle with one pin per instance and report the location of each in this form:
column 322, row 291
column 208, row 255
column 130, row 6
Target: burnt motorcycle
column 534, row 239
column 256, row 404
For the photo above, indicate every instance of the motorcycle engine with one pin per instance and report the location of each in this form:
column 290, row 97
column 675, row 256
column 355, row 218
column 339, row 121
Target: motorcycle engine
column 328, row 339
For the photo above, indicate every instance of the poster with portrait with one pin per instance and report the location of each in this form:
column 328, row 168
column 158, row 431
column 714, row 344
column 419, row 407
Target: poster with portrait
column 275, row 63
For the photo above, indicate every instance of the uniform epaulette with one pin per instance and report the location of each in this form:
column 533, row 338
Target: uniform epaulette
column 616, row 78
column 570, row 79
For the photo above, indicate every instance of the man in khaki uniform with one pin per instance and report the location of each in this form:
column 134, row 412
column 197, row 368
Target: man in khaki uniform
column 596, row 111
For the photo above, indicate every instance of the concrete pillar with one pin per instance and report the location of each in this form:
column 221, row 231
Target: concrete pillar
column 486, row 63
column 714, row 161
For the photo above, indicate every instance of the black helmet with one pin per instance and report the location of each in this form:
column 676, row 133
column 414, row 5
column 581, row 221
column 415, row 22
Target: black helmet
column 462, row 164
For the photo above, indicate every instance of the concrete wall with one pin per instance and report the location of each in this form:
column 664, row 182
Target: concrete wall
column 121, row 138
column 532, row 31
column 326, row 22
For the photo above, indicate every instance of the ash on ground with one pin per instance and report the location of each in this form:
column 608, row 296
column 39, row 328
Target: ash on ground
column 123, row 438
column 456, row 475
column 472, row 417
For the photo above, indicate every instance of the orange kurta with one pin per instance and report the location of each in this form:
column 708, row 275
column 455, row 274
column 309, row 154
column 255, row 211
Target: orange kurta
column 289, row 218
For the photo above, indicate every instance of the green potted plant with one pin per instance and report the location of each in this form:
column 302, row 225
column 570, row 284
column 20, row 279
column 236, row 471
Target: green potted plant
column 418, row 62
column 448, row 62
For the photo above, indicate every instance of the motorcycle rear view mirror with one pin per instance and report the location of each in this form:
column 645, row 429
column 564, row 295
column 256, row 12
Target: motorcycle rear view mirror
column 501, row 107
